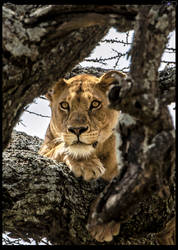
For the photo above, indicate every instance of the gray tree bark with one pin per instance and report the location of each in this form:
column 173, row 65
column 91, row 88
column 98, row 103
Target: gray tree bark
column 148, row 138
column 41, row 197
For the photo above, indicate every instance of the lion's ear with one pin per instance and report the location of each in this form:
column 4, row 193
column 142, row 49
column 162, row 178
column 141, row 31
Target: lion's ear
column 110, row 77
column 55, row 88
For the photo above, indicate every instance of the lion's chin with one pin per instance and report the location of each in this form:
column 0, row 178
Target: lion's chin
column 80, row 150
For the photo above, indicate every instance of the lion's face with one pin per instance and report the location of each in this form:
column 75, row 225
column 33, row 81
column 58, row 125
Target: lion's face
column 81, row 119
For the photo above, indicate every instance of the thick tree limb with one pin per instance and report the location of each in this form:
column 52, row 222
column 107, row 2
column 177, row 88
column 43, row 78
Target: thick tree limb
column 148, row 148
column 42, row 198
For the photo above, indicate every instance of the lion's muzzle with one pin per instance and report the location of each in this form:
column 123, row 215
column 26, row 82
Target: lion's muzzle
column 77, row 130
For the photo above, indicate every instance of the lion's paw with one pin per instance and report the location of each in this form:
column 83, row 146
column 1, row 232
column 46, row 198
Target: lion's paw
column 91, row 169
column 104, row 232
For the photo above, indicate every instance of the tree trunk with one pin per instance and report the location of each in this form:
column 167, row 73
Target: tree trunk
column 41, row 197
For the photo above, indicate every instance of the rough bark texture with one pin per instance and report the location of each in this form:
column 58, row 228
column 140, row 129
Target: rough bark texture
column 41, row 197
column 148, row 139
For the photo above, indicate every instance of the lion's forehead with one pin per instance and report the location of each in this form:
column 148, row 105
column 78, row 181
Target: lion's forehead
column 82, row 92
column 81, row 97
column 82, row 86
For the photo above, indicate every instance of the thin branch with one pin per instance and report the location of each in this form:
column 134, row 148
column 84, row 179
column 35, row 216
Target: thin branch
column 20, row 121
column 122, row 69
column 98, row 60
column 43, row 98
column 115, row 41
column 33, row 113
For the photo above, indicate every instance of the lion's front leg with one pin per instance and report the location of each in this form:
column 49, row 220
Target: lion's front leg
column 87, row 168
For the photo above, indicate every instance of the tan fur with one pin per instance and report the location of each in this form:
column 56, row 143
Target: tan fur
column 95, row 155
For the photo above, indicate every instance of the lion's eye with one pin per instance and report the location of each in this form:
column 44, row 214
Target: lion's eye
column 64, row 105
column 95, row 104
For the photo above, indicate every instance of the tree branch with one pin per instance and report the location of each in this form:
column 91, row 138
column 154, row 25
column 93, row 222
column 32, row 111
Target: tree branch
column 148, row 148
column 42, row 199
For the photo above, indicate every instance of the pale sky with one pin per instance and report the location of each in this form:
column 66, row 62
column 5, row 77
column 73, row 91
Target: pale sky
column 36, row 126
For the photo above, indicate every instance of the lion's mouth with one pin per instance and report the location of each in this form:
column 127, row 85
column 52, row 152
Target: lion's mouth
column 78, row 142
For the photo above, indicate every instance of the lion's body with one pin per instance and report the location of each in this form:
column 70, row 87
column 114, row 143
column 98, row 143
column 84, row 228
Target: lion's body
column 81, row 130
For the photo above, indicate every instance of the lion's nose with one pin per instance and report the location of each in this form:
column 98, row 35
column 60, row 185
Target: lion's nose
column 77, row 130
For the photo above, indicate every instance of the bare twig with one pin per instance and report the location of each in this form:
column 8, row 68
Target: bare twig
column 115, row 41
column 33, row 113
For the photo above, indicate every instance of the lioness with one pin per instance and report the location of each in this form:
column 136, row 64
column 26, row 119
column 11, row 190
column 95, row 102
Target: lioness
column 81, row 130
column 81, row 134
